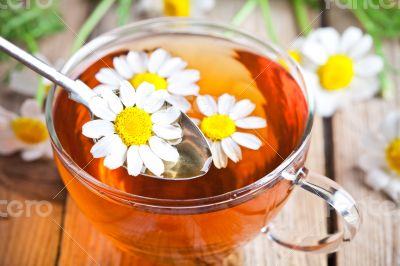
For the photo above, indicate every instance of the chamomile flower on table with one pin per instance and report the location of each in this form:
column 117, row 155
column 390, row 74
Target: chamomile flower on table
column 222, row 123
column 165, row 72
column 381, row 160
column 341, row 68
column 25, row 133
column 135, row 128
column 196, row 8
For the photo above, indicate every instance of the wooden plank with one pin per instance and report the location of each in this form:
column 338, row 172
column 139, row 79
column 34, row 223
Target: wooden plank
column 31, row 236
column 378, row 240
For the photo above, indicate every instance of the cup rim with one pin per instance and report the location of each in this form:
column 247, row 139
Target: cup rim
column 106, row 190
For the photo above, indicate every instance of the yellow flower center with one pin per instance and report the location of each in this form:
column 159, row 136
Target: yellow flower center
column 158, row 82
column 337, row 73
column 177, row 8
column 134, row 126
column 393, row 155
column 295, row 55
column 217, row 127
column 29, row 130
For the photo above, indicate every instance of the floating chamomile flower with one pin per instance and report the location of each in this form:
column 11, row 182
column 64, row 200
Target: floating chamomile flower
column 220, row 126
column 158, row 68
column 381, row 161
column 26, row 133
column 341, row 69
column 134, row 129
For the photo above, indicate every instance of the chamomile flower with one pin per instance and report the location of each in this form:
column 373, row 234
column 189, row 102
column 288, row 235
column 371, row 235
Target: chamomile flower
column 341, row 69
column 134, row 129
column 221, row 123
column 381, row 160
column 159, row 68
column 196, row 8
column 26, row 133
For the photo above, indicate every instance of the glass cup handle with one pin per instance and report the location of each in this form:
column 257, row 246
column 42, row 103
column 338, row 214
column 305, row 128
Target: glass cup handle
column 335, row 196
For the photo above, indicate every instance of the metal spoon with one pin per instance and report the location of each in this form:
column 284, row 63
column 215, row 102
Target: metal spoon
column 195, row 153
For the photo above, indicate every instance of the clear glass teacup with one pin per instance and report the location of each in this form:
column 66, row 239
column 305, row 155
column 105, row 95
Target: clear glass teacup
column 195, row 229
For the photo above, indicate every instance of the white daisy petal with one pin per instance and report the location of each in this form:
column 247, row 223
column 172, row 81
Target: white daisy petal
column 127, row 94
column 99, row 107
column 369, row 66
column 103, row 147
column 207, row 105
column 144, row 90
column 9, row 144
column 157, row 59
column 350, row 37
column 166, row 116
column 315, row 52
column 137, row 61
column 98, row 128
column 219, row 157
column 231, row 149
column 242, row 109
column 108, row 76
column 31, row 109
column 329, row 38
column 151, row 161
column 153, row 103
column 391, row 126
column 252, row 122
column 377, row 179
column 134, row 162
column 33, row 154
column 113, row 101
column 183, row 89
column 369, row 162
column 167, row 132
column 179, row 102
column 7, row 115
column 122, row 67
column 103, row 89
column 163, row 150
column 171, row 66
column 362, row 47
column 225, row 103
column 117, row 157
column 247, row 140
column 185, row 77
column 85, row 93
column 363, row 88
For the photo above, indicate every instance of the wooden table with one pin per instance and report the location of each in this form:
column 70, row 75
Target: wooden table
column 67, row 238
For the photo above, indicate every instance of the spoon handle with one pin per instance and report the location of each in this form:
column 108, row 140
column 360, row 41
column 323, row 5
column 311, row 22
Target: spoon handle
column 38, row 66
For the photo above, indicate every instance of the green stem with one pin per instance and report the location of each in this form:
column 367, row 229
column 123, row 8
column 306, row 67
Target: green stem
column 387, row 86
column 266, row 12
column 40, row 92
column 91, row 23
column 244, row 12
column 124, row 11
column 300, row 11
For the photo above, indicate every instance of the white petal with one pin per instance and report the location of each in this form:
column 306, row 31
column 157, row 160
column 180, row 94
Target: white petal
column 186, row 76
column 368, row 162
column 82, row 93
column 231, row 149
column 183, row 89
column 207, row 105
column 98, row 128
column 242, row 109
column 144, row 90
column 9, row 144
column 225, row 103
column 108, row 76
column 363, row 88
column 102, row 89
column 163, row 150
column 166, row 116
column 315, row 52
column 391, row 126
column 122, row 67
column 99, row 107
column 7, row 115
column 219, row 157
column 117, row 157
column 151, row 161
column 350, row 37
column 154, row 102
column 362, row 47
column 137, row 61
column 369, row 66
column 157, row 59
column 167, row 132
column 377, row 179
column 247, row 140
column 179, row 102
column 113, row 101
column 171, row 66
column 48, row 151
column 31, row 109
column 127, row 94
column 104, row 146
column 251, row 122
column 21, row 82
column 329, row 38
column 33, row 154
column 134, row 162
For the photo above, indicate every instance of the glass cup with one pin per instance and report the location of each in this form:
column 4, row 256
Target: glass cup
column 204, row 229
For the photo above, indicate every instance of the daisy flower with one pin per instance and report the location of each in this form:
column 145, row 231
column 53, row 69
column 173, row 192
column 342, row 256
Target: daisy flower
column 196, row 8
column 220, row 126
column 158, row 68
column 381, row 160
column 134, row 128
column 341, row 69
column 26, row 133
